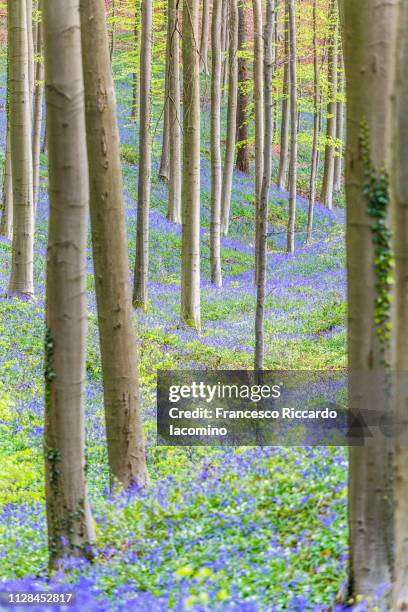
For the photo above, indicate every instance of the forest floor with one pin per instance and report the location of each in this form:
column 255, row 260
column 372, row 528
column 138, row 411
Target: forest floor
column 222, row 528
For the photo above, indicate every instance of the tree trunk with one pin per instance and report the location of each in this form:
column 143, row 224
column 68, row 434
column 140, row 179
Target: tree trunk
column 293, row 128
column 135, row 77
column 370, row 32
column 326, row 195
column 6, row 226
column 224, row 45
column 164, row 170
column 338, row 160
column 21, row 279
column 205, row 27
column 215, row 233
column 70, row 525
column 259, row 117
column 231, row 118
column 174, row 208
column 284, row 136
column 316, row 127
column 126, row 452
column 38, row 113
column 140, row 291
column 190, row 268
column 266, row 182
column 399, row 324
column 242, row 163
column 30, row 47
column 113, row 31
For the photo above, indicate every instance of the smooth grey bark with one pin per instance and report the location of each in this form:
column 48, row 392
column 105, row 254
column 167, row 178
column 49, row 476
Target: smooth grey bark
column 242, row 162
column 205, row 29
column 70, row 524
column 370, row 34
column 6, row 224
column 190, row 257
column 135, row 76
column 21, row 278
column 174, row 206
column 215, row 229
column 316, row 127
column 293, row 128
column 259, row 117
column 231, row 118
column 265, row 188
column 164, row 169
column 338, row 160
column 140, row 289
column 126, row 452
column 285, row 117
column 30, row 49
column 38, row 113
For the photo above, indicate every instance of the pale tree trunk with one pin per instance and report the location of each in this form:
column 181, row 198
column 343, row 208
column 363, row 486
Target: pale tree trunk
column 259, row 117
column 316, row 127
column 6, row 225
column 30, row 47
column 285, row 118
column 338, row 160
column 113, row 31
column 326, row 195
column 164, row 169
column 38, row 113
column 293, row 127
column 21, row 279
column 242, row 163
column 140, row 290
column 370, row 33
column 190, row 266
column 135, row 77
column 70, row 524
column 205, row 28
column 224, row 44
column 174, row 207
column 400, row 314
column 126, row 452
column 266, row 182
column 231, row 118
column 215, row 233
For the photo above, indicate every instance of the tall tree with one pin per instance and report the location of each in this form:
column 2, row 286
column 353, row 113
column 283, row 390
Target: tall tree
column 316, row 126
column 140, row 291
column 110, row 255
column 6, row 224
column 242, row 162
column 21, row 279
column 30, row 49
column 338, row 160
column 190, row 263
column 259, row 117
column 38, row 112
column 164, row 169
column 135, row 77
column 205, row 28
column 231, row 118
column 174, row 209
column 326, row 195
column 370, row 35
column 70, row 525
column 266, row 182
column 293, row 127
column 285, row 119
column 215, row 233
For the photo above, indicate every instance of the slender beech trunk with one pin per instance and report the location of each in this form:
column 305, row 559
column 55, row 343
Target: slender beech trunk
column 259, row 117
column 370, row 33
column 21, row 279
column 38, row 113
column 266, row 182
column 135, row 77
column 174, row 208
column 215, row 233
column 30, row 47
column 400, row 315
column 293, row 127
column 140, row 290
column 164, row 169
column 190, row 266
column 126, row 452
column 316, row 127
column 231, row 118
column 242, row 163
column 285, row 119
column 70, row 524
column 338, row 160
column 6, row 225
column 205, row 28
column 326, row 195
column 224, row 45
